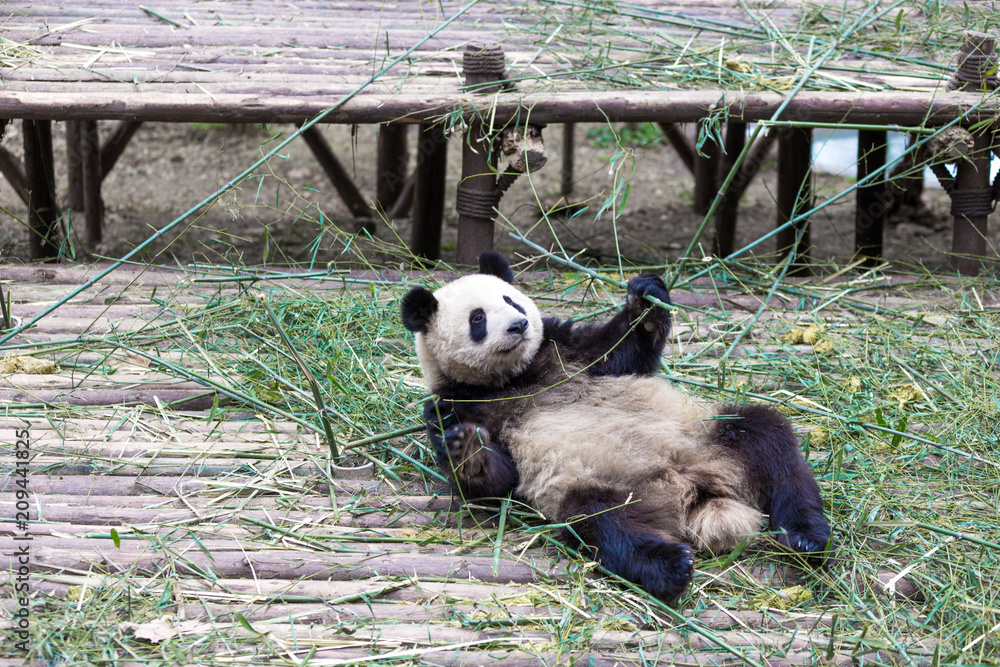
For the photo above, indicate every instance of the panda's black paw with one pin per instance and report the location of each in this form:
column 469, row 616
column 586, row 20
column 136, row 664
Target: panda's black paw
column 811, row 542
column 668, row 570
column 466, row 443
column 647, row 284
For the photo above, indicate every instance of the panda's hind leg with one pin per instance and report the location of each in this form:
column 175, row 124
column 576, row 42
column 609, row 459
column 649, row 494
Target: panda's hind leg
column 621, row 538
column 777, row 473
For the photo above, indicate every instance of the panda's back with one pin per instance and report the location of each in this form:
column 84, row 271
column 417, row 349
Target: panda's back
column 627, row 432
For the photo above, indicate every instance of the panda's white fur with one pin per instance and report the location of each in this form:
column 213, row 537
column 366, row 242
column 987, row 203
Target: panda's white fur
column 573, row 422
column 587, row 431
column 445, row 350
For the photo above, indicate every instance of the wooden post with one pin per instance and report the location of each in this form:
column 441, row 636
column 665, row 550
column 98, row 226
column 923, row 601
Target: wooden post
column 428, row 191
column 706, row 175
column 483, row 67
column 873, row 200
column 794, row 194
column 976, row 70
column 338, row 176
column 43, row 211
column 728, row 211
column 566, row 177
column 93, row 206
column 74, row 166
column 680, row 143
column 971, row 204
column 391, row 163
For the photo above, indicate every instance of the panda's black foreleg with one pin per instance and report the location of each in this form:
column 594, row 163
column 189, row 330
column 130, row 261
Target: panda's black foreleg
column 630, row 343
column 636, row 336
column 778, row 474
column 618, row 537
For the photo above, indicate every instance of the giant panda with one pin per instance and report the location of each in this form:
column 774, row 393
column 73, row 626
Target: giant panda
column 570, row 418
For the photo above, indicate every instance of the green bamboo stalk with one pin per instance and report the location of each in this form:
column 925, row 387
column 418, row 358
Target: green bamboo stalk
column 317, row 394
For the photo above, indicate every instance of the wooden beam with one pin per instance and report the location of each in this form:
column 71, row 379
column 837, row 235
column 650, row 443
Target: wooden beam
column 680, row 143
column 873, row 200
column 755, row 159
column 428, row 192
column 115, row 144
column 345, row 187
column 728, row 212
column 93, row 205
column 795, row 194
column 404, row 202
column 391, row 163
column 12, row 170
column 671, row 106
column 706, row 175
column 43, row 211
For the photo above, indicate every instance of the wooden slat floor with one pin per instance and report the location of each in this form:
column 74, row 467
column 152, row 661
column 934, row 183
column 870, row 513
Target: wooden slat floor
column 231, row 526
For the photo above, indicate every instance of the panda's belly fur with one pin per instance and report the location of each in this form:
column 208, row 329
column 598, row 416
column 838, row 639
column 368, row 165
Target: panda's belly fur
column 639, row 435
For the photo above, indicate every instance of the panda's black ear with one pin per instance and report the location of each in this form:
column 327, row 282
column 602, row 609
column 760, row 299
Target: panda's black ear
column 417, row 308
column 493, row 264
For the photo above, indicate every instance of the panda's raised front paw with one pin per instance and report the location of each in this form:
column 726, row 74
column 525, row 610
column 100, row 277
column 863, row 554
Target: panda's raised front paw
column 465, row 442
column 647, row 284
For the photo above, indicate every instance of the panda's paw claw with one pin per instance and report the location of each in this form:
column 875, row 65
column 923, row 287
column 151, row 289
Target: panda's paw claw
column 464, row 439
column 674, row 573
column 813, row 546
column 647, row 284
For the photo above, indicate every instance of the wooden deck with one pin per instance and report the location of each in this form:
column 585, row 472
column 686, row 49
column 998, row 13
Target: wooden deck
column 562, row 62
column 170, row 508
column 287, row 62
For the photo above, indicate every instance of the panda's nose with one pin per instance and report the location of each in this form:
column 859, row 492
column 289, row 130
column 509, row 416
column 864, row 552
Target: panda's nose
column 518, row 327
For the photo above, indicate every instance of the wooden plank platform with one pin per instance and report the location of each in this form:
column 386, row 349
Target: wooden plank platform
column 218, row 528
column 266, row 61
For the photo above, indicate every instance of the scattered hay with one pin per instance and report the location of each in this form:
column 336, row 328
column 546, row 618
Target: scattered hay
column 16, row 363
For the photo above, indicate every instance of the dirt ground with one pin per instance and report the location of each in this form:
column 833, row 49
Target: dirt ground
column 288, row 212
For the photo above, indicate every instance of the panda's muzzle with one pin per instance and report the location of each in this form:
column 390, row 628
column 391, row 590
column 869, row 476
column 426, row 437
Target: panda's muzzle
column 519, row 327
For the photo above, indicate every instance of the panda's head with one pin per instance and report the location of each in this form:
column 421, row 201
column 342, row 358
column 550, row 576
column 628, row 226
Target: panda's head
column 478, row 329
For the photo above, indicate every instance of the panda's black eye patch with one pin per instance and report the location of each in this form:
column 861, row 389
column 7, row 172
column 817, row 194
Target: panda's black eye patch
column 510, row 302
column 477, row 325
